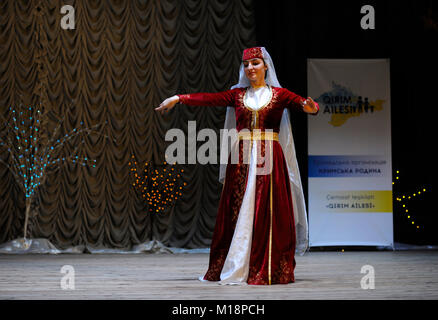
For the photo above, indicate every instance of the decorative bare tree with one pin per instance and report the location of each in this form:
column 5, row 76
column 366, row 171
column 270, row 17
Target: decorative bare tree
column 35, row 150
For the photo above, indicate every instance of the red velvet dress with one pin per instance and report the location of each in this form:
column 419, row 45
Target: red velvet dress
column 273, row 239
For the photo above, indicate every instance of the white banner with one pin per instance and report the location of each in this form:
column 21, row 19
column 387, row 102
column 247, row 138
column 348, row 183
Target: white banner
column 350, row 172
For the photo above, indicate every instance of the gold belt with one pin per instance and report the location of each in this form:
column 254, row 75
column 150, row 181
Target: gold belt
column 269, row 136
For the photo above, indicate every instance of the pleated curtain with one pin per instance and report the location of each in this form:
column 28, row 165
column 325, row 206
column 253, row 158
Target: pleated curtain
column 121, row 60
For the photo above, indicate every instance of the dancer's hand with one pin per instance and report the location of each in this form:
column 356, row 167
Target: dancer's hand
column 167, row 104
column 310, row 106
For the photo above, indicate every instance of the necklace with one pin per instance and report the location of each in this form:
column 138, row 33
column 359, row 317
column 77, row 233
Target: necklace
column 257, row 87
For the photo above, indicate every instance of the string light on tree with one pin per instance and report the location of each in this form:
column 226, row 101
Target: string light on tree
column 159, row 187
column 403, row 200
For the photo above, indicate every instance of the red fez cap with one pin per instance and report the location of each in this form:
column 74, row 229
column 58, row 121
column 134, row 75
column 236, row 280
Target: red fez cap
column 252, row 53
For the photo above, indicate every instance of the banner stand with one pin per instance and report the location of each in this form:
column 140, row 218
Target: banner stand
column 350, row 168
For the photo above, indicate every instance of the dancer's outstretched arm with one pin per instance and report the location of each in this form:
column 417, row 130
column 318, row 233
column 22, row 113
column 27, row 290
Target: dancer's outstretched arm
column 298, row 103
column 224, row 99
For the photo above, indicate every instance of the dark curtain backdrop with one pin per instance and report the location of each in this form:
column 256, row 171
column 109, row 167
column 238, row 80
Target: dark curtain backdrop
column 120, row 62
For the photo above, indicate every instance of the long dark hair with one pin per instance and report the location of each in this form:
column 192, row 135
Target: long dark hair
column 266, row 72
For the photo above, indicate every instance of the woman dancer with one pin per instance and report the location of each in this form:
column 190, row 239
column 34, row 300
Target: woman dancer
column 261, row 220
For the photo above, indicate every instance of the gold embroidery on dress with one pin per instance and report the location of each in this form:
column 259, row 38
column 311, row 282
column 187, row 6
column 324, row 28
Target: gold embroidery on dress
column 267, row 103
column 256, row 276
column 274, row 97
column 239, row 192
column 184, row 97
column 240, row 97
column 215, row 269
column 284, row 272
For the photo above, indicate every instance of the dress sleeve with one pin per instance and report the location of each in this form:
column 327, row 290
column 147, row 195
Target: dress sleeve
column 220, row 99
column 295, row 102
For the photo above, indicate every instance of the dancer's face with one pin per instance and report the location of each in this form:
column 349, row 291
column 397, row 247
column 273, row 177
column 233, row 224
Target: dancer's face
column 255, row 69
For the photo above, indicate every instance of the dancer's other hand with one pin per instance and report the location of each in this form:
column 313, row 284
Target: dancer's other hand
column 167, row 104
column 310, row 106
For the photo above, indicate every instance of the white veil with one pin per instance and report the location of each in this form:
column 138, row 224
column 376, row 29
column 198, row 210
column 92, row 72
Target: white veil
column 287, row 143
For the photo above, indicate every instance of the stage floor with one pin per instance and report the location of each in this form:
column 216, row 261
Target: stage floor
column 319, row 275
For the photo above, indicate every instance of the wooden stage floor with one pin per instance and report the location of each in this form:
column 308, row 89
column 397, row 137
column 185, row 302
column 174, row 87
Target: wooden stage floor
column 319, row 275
